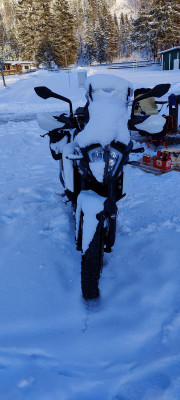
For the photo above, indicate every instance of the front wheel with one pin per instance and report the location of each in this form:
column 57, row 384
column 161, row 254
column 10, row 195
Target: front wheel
column 91, row 264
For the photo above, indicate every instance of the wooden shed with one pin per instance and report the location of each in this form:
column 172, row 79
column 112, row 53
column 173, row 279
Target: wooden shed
column 19, row 67
column 170, row 58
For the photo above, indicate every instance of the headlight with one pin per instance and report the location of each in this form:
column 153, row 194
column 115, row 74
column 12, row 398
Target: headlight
column 96, row 154
column 111, row 156
column 115, row 158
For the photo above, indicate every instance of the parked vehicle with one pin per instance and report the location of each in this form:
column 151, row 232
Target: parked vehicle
column 92, row 145
column 147, row 117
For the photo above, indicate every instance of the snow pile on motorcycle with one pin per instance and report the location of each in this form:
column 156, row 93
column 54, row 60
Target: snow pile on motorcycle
column 108, row 100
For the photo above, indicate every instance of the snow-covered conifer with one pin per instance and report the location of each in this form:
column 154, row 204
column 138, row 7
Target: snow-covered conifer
column 45, row 31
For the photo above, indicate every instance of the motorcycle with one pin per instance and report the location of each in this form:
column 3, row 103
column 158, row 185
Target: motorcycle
column 145, row 114
column 92, row 146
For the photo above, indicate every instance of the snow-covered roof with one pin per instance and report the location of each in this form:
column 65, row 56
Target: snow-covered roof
column 19, row 62
column 168, row 50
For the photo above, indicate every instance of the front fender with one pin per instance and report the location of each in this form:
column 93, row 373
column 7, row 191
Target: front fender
column 90, row 204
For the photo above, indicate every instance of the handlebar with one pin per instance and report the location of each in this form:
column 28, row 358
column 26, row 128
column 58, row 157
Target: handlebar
column 138, row 150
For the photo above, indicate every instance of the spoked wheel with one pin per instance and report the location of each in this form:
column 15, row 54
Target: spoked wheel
column 91, row 265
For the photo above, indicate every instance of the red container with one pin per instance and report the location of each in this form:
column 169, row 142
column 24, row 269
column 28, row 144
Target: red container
column 146, row 159
column 167, row 164
column 162, row 161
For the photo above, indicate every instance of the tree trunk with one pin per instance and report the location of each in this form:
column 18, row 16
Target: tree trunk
column 3, row 78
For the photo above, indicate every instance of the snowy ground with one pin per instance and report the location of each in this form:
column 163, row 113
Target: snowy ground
column 53, row 345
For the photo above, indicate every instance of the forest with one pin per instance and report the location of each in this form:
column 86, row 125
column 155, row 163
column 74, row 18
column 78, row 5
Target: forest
column 63, row 33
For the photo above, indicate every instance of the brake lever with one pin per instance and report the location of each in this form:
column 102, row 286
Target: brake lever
column 66, row 120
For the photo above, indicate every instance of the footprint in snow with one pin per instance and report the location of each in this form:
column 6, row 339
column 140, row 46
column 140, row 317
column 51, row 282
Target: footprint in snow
column 25, row 382
column 9, row 218
column 6, row 219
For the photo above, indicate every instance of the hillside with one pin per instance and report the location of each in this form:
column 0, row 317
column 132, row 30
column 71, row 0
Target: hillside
column 125, row 6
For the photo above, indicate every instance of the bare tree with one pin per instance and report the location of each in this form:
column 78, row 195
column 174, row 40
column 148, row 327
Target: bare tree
column 7, row 47
column 2, row 49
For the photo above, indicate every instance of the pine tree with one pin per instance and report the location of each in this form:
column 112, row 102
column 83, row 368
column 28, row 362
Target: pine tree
column 100, row 41
column 128, row 32
column 45, row 31
column 117, row 34
column 171, row 18
column 125, row 31
column 101, row 32
column 29, row 24
column 111, row 34
column 90, row 40
column 77, row 10
column 140, row 32
column 98, row 30
column 63, row 37
column 122, row 35
column 44, row 47
column 157, row 26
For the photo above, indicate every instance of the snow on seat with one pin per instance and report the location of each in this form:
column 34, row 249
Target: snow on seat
column 153, row 124
column 108, row 111
column 107, row 82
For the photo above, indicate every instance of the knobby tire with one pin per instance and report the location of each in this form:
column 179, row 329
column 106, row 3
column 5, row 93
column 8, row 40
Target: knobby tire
column 91, row 265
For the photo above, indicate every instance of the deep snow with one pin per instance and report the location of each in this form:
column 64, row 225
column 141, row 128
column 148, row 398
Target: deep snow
column 53, row 345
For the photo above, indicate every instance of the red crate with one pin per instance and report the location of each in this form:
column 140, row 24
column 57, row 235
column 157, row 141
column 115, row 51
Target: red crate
column 162, row 161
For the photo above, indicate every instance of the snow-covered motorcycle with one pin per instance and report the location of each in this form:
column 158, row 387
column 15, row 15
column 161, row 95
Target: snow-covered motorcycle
column 92, row 146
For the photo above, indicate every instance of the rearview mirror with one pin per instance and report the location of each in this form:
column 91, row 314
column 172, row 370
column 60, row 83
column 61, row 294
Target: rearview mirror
column 43, row 92
column 157, row 91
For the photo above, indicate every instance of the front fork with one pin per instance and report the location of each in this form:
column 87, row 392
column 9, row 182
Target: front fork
column 100, row 210
column 110, row 218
